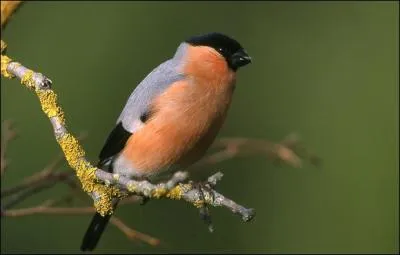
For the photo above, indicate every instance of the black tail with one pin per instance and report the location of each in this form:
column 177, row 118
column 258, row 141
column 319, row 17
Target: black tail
column 93, row 233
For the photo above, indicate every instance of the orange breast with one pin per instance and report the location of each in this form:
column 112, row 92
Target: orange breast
column 186, row 120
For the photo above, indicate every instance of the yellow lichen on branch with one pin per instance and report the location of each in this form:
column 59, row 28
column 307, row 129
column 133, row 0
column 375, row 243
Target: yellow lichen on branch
column 86, row 173
column 27, row 80
column 4, row 64
column 48, row 100
column 158, row 193
column 104, row 203
column 73, row 152
column 177, row 192
column 7, row 8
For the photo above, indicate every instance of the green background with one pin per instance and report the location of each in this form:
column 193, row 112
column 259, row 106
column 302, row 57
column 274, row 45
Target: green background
column 327, row 70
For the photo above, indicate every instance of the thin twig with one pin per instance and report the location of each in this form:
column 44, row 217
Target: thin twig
column 46, row 209
column 8, row 134
column 46, row 173
column 133, row 234
column 34, row 188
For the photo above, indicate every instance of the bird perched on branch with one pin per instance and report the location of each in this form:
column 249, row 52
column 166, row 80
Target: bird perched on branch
column 173, row 115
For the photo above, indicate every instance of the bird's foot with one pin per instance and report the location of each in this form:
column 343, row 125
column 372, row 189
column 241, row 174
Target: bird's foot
column 204, row 210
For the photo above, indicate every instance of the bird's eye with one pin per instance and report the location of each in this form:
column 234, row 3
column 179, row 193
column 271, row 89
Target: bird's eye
column 221, row 50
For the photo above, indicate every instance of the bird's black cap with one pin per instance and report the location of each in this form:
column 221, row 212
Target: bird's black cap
column 228, row 47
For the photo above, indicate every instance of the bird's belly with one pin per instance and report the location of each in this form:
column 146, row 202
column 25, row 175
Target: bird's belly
column 200, row 144
column 158, row 150
column 180, row 132
column 171, row 144
column 163, row 160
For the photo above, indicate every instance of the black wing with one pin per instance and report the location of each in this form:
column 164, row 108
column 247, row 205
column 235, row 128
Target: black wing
column 114, row 144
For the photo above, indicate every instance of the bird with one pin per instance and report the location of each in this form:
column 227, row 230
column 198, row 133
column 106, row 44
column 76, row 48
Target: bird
column 172, row 117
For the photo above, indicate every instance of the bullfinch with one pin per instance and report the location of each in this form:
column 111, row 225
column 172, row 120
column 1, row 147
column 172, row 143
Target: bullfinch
column 173, row 116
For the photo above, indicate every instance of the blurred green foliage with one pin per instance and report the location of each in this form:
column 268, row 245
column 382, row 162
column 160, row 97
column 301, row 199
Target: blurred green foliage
column 327, row 70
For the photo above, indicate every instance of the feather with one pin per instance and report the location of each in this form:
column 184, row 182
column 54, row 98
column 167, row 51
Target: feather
column 114, row 144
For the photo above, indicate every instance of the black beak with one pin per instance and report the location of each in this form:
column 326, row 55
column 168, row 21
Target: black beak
column 240, row 58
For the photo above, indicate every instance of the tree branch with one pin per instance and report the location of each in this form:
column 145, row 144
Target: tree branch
column 102, row 186
column 93, row 179
column 7, row 135
column 45, row 208
column 44, row 175
column 7, row 8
